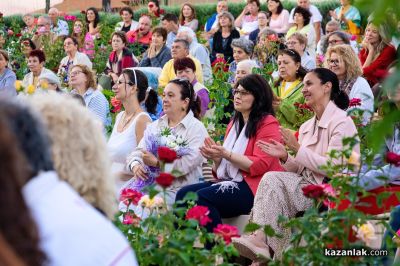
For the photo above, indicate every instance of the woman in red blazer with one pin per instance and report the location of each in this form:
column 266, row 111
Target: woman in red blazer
column 376, row 55
column 239, row 163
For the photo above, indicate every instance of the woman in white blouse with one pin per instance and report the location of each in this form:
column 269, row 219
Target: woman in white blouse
column 181, row 112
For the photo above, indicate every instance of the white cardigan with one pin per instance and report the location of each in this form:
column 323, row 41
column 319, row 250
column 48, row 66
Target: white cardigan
column 362, row 90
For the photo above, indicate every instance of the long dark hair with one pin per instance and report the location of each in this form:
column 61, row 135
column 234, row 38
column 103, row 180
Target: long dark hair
column 301, row 72
column 339, row 97
column 138, row 78
column 31, row 136
column 262, row 105
column 96, row 17
column 187, row 91
column 16, row 224
column 278, row 10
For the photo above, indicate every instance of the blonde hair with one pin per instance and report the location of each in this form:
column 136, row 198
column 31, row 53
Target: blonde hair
column 91, row 80
column 383, row 36
column 349, row 57
column 79, row 149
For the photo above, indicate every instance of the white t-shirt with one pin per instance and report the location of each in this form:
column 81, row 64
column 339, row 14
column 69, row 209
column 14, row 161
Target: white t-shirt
column 72, row 232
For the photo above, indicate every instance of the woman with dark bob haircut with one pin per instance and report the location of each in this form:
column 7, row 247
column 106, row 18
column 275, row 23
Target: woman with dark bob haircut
column 17, row 225
column 239, row 163
column 280, row 193
column 302, row 19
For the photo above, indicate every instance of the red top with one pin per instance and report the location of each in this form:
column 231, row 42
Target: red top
column 132, row 35
column 377, row 70
column 268, row 129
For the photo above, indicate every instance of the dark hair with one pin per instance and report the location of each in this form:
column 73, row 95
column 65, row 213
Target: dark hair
column 187, row 91
column 304, row 12
column 121, row 35
column 39, row 54
column 74, row 40
column 254, row 1
column 96, row 18
column 278, row 10
column 161, row 31
column 185, row 43
column 31, row 43
column 127, row 9
column 170, row 17
column 31, row 136
column 156, row 2
column 138, row 78
column 262, row 104
column 301, row 72
column 183, row 63
column 339, row 97
column 345, row 37
column 16, row 223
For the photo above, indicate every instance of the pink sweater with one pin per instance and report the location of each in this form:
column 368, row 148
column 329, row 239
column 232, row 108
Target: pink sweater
column 281, row 24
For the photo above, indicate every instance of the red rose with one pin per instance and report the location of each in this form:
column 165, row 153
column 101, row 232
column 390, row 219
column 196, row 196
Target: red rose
column 199, row 213
column 131, row 218
column 129, row 195
column 83, row 12
column 116, row 104
column 226, row 231
column 313, row 191
column 18, row 35
column 272, row 37
column 296, row 134
column 166, row 154
column 355, row 102
column 393, row 158
column 165, row 179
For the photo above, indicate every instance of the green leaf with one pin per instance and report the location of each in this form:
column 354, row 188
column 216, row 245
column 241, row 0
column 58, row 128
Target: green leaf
column 251, row 227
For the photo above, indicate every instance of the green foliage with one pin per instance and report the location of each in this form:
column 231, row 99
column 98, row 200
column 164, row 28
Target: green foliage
column 54, row 52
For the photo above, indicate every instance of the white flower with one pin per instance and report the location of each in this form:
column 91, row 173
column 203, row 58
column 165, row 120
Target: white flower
column 171, row 144
column 365, row 233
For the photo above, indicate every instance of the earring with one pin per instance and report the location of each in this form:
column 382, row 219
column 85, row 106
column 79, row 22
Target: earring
column 183, row 109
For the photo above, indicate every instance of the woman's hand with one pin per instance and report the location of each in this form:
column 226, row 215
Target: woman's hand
column 152, row 51
column 273, row 149
column 212, row 150
column 149, row 159
column 289, row 139
column 139, row 172
column 333, row 15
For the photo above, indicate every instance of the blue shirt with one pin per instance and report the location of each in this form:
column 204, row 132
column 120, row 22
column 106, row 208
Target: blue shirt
column 170, row 39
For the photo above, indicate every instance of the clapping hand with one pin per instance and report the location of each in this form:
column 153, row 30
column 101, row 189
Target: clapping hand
column 212, row 150
column 289, row 139
column 273, row 148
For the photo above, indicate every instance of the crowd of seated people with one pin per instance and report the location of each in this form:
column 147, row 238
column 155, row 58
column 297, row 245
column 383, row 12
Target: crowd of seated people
column 160, row 70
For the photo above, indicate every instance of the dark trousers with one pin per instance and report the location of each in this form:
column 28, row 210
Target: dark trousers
column 226, row 204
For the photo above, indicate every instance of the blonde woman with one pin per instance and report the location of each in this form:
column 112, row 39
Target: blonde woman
column 377, row 53
column 85, row 164
column 342, row 60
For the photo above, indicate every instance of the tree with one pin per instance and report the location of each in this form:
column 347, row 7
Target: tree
column 47, row 6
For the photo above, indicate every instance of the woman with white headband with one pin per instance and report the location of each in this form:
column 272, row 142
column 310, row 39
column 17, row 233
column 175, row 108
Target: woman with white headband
column 131, row 89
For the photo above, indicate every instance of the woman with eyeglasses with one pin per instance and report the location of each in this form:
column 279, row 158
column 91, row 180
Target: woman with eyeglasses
column 238, row 164
column 280, row 193
column 181, row 116
column 298, row 42
column 288, row 88
column 73, row 57
column 82, row 82
column 342, row 60
column 120, row 58
column 302, row 24
column 131, row 89
column 377, row 53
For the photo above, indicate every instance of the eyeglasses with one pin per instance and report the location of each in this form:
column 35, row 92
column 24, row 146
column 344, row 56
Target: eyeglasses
column 333, row 42
column 240, row 92
column 75, row 73
column 334, row 62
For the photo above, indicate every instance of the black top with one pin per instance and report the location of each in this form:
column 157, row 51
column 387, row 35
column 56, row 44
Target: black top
column 126, row 29
column 221, row 46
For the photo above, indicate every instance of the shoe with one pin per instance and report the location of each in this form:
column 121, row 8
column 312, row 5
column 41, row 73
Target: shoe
column 252, row 246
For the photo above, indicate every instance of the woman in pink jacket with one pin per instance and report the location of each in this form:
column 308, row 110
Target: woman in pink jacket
column 280, row 193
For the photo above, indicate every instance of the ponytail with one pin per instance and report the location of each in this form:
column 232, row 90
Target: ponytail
column 339, row 97
column 195, row 106
column 151, row 101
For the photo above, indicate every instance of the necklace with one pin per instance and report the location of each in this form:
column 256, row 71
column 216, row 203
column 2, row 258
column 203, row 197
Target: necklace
column 126, row 119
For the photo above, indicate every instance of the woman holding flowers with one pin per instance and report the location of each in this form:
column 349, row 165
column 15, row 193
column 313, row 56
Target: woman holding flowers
column 179, row 129
column 280, row 193
column 239, row 163
column 131, row 90
column 288, row 88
